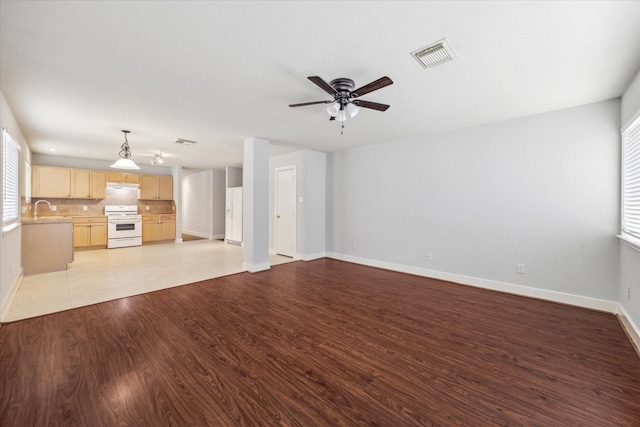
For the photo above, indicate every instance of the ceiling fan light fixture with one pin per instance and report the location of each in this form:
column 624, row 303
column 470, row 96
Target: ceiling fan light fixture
column 342, row 116
column 125, row 162
column 333, row 109
column 353, row 110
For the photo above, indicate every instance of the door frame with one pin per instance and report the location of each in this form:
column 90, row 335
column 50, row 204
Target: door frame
column 295, row 209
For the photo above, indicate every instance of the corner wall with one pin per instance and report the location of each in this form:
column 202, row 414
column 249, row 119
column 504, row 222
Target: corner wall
column 542, row 191
column 11, row 242
column 630, row 256
column 311, row 201
column 203, row 204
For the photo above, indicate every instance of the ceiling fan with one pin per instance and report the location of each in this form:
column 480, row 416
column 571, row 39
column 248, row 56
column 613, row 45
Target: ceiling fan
column 345, row 97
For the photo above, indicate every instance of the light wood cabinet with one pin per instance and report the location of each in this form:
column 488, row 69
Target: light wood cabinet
column 131, row 178
column 156, row 228
column 98, row 184
column 80, row 180
column 89, row 232
column 64, row 183
column 153, row 187
column 49, row 181
column 88, row 184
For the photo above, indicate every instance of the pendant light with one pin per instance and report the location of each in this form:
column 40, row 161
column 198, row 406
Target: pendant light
column 124, row 162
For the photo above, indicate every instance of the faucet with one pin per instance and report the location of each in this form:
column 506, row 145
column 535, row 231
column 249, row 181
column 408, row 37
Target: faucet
column 35, row 212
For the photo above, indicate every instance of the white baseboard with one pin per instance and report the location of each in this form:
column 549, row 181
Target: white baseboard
column 561, row 297
column 310, row 257
column 13, row 290
column 203, row 235
column 255, row 268
column 632, row 330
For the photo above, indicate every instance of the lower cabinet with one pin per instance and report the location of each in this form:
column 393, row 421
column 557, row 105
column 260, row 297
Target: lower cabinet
column 89, row 232
column 157, row 228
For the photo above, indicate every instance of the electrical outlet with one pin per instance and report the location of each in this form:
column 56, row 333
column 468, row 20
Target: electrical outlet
column 520, row 268
column 628, row 293
column 146, row 207
column 54, row 208
column 84, row 208
column 428, row 256
column 353, row 245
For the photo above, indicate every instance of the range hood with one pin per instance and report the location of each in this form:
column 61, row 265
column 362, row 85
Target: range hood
column 122, row 186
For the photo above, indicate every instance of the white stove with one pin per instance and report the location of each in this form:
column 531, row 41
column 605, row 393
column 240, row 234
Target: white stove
column 124, row 226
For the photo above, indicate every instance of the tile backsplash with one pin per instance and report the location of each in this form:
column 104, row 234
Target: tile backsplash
column 75, row 207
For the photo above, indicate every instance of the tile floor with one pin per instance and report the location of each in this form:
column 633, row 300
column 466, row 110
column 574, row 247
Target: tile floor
column 108, row 274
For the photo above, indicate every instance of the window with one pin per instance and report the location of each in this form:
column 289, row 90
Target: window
column 10, row 193
column 631, row 179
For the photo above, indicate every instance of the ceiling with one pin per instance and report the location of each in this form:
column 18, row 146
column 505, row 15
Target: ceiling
column 218, row 72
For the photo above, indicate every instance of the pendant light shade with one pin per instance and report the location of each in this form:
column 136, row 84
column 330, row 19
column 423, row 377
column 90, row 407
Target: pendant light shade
column 124, row 162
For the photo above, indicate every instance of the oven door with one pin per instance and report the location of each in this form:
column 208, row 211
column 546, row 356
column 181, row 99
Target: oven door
column 119, row 227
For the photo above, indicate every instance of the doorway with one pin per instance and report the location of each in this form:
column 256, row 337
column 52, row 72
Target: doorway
column 285, row 214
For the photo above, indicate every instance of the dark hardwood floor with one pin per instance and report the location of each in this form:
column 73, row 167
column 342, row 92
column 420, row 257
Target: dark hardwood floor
column 321, row 343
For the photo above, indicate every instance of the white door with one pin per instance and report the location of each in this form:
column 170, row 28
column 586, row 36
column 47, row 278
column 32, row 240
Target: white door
column 237, row 215
column 233, row 220
column 285, row 211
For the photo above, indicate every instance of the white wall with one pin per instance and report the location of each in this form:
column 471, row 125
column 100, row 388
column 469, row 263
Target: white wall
column 11, row 242
column 203, row 204
column 542, row 191
column 630, row 257
column 311, row 211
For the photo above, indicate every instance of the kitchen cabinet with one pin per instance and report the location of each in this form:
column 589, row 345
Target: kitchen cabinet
column 49, row 181
column 89, row 232
column 65, row 183
column 233, row 219
column 131, row 178
column 88, row 184
column 156, row 228
column 46, row 246
column 153, row 187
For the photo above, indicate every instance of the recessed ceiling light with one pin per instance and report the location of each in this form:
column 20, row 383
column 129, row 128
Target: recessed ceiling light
column 435, row 54
column 52, row 149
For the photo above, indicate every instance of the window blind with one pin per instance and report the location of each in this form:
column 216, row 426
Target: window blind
column 631, row 180
column 10, row 191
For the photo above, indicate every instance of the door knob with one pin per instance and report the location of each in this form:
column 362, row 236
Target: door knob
column 277, row 216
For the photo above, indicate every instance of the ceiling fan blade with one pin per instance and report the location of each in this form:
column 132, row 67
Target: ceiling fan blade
column 310, row 103
column 372, row 105
column 378, row 84
column 332, row 118
column 323, row 85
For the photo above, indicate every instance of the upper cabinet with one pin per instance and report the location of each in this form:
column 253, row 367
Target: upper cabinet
column 48, row 181
column 61, row 183
column 98, row 184
column 131, row 178
column 154, row 187
column 65, row 183
column 86, row 184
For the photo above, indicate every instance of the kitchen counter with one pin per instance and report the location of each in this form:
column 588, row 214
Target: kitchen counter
column 47, row 219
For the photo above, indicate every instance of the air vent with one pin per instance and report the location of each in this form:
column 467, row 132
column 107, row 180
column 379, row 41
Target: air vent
column 435, row 54
column 185, row 141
